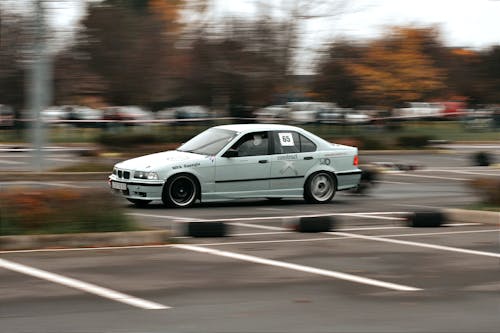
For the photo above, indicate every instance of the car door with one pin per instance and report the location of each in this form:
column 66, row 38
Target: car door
column 244, row 169
column 293, row 155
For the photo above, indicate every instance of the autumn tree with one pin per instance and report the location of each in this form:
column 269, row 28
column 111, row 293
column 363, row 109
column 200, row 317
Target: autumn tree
column 334, row 81
column 127, row 50
column 15, row 42
column 395, row 68
column 490, row 74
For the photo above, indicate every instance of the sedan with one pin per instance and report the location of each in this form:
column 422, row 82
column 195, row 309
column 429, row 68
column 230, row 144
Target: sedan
column 240, row 161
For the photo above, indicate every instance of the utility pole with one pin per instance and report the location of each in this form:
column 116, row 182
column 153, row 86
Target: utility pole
column 39, row 87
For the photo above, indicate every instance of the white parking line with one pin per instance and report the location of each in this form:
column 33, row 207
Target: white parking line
column 80, row 285
column 417, row 244
column 56, row 184
column 169, row 217
column 373, row 215
column 432, row 177
column 301, row 268
column 320, row 239
column 463, row 172
column 11, row 162
column 257, row 226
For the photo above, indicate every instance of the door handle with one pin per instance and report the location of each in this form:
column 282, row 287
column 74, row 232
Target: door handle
column 263, row 161
column 308, row 158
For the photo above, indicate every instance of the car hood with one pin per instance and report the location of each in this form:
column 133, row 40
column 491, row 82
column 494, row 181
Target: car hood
column 157, row 160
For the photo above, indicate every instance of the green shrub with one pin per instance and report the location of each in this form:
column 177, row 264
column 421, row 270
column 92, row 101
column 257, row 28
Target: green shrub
column 370, row 143
column 416, row 141
column 56, row 211
column 127, row 139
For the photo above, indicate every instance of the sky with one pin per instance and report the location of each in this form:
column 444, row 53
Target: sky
column 465, row 23
column 462, row 23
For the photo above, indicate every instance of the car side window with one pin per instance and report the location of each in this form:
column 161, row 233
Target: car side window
column 253, row 144
column 286, row 142
column 306, row 145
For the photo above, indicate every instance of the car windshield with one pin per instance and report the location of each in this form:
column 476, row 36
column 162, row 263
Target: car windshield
column 209, row 142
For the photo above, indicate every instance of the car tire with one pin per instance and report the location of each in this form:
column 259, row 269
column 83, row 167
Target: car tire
column 180, row 191
column 320, row 187
column 139, row 202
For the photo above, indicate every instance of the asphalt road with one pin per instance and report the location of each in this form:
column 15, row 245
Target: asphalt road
column 371, row 274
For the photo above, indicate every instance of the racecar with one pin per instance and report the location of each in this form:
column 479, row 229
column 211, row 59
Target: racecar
column 240, row 161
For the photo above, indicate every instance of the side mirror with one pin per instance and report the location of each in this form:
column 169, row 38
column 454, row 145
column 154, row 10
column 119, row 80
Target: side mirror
column 231, row 152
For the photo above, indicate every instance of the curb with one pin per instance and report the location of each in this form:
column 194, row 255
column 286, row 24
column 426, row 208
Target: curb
column 472, row 216
column 105, row 239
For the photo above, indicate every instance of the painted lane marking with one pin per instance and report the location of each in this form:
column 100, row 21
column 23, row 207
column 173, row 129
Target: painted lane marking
column 257, row 226
column 264, row 218
column 139, row 247
column 418, row 244
column 462, row 172
column 12, row 162
column 261, row 233
column 83, row 286
column 296, row 267
column 56, row 184
column 433, row 177
column 388, row 182
column 170, row 217
column 378, row 217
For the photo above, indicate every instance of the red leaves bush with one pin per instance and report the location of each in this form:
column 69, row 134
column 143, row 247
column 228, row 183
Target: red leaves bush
column 46, row 211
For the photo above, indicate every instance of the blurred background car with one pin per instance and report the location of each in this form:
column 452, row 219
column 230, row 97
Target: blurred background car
column 54, row 114
column 271, row 114
column 83, row 115
column 307, row 112
column 129, row 115
column 6, row 116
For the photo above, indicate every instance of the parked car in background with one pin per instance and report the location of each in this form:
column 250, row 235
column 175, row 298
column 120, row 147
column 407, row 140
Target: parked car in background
column 307, row 112
column 6, row 116
column 356, row 117
column 271, row 114
column 53, row 114
column 185, row 114
column 420, row 110
column 129, row 115
column 83, row 116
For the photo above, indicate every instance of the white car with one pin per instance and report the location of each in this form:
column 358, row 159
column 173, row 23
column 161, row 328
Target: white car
column 240, row 161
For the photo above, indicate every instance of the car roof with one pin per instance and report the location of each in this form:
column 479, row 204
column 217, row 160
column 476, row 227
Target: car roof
column 259, row 127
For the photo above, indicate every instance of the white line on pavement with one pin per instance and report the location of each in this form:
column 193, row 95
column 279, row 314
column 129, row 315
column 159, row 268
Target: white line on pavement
column 463, row 172
column 257, row 226
column 373, row 215
column 80, row 285
column 418, row 244
column 433, row 177
column 139, row 247
column 169, row 217
column 301, row 268
column 11, row 162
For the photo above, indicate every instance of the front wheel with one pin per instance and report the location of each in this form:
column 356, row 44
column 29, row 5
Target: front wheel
column 180, row 191
column 319, row 188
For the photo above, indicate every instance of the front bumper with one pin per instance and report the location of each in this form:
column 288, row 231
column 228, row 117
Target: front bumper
column 145, row 190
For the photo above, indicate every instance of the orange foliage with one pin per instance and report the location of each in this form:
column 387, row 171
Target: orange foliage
column 168, row 11
column 397, row 68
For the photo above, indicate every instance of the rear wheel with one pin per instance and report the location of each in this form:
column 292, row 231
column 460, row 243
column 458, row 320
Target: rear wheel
column 319, row 187
column 180, row 191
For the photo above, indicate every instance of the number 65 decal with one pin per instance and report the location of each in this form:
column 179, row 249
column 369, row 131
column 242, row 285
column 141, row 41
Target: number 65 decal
column 286, row 139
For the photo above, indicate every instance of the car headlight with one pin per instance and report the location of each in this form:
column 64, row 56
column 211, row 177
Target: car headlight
column 146, row 175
